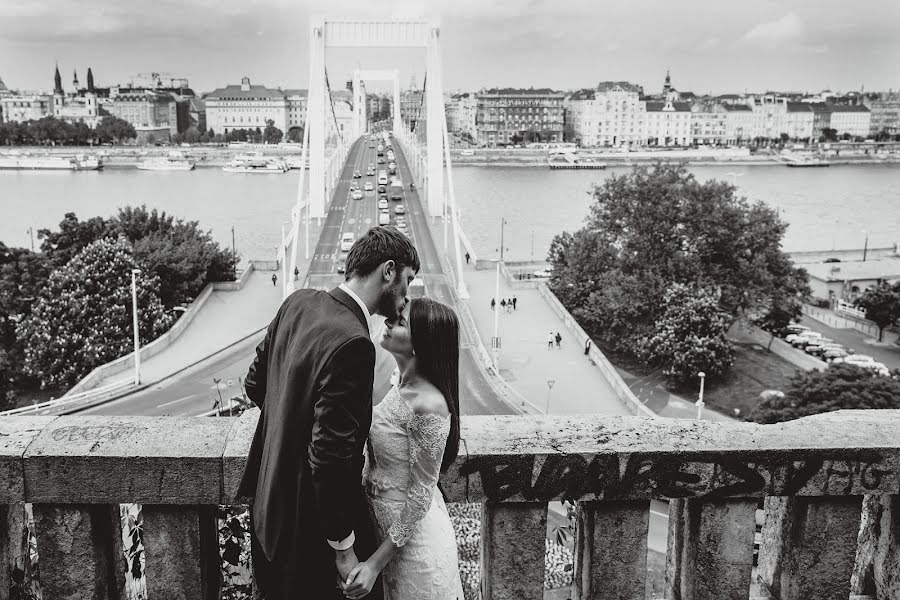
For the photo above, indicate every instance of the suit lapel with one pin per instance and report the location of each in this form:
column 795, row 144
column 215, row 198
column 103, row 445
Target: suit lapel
column 345, row 299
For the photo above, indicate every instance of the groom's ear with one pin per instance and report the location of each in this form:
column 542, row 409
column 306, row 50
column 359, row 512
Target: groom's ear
column 388, row 269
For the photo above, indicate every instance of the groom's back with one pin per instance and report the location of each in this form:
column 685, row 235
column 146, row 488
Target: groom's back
column 309, row 328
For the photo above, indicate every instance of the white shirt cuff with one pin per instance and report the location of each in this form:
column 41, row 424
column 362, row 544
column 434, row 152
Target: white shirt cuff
column 344, row 544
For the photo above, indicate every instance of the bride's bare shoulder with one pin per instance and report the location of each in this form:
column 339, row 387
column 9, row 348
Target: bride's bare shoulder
column 428, row 400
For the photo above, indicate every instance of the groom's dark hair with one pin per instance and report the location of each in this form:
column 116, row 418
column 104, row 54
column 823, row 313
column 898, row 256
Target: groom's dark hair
column 378, row 245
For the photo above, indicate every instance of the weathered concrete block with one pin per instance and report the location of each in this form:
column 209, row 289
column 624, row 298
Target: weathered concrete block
column 595, row 457
column 234, row 458
column 182, row 558
column 877, row 568
column 16, row 434
column 127, row 459
column 809, row 546
column 12, row 549
column 76, row 546
column 712, row 543
column 611, row 550
column 512, row 551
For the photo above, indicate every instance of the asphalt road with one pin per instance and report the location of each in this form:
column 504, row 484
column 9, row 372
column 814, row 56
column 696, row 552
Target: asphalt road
column 193, row 391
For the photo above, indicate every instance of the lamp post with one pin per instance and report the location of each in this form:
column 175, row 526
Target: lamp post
column 233, row 255
column 699, row 402
column 866, row 246
column 550, row 383
column 495, row 342
column 137, row 338
column 31, row 233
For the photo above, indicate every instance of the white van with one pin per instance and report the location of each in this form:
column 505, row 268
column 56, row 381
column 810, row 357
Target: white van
column 384, row 218
column 382, row 179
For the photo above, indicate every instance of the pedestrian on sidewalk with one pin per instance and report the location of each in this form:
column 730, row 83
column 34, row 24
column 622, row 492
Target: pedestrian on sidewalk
column 503, row 303
column 550, row 340
column 468, row 257
column 514, row 302
column 493, row 303
column 274, row 279
column 558, row 339
column 296, row 273
column 587, row 347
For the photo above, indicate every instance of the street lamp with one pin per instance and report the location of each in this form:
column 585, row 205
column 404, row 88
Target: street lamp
column 137, row 339
column 550, row 383
column 699, row 402
column 496, row 341
column 866, row 246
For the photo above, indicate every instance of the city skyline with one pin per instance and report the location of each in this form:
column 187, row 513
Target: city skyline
column 799, row 45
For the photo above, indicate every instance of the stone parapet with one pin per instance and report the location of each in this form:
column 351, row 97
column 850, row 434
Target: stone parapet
column 829, row 483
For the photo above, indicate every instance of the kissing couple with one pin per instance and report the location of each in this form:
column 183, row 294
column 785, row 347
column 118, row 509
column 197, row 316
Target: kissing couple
column 345, row 498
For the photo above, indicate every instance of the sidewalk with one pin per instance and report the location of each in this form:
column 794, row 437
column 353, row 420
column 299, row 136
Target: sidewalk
column 226, row 318
column 527, row 364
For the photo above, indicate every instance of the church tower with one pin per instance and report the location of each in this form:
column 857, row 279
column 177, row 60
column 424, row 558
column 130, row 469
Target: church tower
column 57, row 82
column 667, row 86
column 90, row 81
column 75, row 80
column 58, row 94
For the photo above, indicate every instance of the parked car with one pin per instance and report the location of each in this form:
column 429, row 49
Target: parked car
column 804, row 338
column 795, row 328
column 818, row 349
column 834, row 353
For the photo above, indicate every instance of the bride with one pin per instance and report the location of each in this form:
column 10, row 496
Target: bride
column 414, row 437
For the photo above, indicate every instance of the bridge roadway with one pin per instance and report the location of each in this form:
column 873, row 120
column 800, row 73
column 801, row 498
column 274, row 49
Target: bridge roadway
column 194, row 391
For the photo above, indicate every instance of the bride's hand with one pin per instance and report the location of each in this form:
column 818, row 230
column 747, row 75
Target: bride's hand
column 360, row 581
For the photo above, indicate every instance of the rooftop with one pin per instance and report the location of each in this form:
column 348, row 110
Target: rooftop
column 678, row 106
column 737, row 108
column 888, row 268
column 234, row 92
column 609, row 86
column 521, row 92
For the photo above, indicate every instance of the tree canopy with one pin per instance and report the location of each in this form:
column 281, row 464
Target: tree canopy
column 840, row 386
column 882, row 304
column 271, row 134
column 659, row 226
column 82, row 318
column 112, row 129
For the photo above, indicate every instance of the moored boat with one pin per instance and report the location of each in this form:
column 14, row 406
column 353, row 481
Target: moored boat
column 805, row 161
column 255, row 166
column 166, row 163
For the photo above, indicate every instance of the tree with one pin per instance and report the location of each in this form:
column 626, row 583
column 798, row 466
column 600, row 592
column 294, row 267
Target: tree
column 784, row 138
column 882, row 305
column 655, row 227
column 828, row 135
column 83, row 317
column 211, row 133
column 112, row 129
column 73, row 236
column 184, row 257
column 690, row 336
column 840, row 386
column 295, row 134
column 272, row 135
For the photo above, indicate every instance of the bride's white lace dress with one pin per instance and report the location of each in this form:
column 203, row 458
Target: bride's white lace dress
column 403, row 459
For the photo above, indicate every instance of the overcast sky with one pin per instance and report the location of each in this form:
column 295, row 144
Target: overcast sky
column 714, row 46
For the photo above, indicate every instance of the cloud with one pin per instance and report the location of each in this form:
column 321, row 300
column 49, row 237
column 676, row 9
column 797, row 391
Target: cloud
column 709, row 44
column 789, row 27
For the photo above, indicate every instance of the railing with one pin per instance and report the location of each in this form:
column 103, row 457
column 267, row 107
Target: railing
column 849, row 309
column 821, row 477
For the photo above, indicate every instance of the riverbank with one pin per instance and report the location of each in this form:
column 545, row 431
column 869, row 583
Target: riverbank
column 219, row 156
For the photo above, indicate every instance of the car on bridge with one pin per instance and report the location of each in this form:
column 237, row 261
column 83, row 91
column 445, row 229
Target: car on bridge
column 380, row 161
column 347, row 239
column 384, row 218
column 369, row 187
column 356, row 175
column 370, row 171
column 399, row 210
column 382, row 204
column 356, row 194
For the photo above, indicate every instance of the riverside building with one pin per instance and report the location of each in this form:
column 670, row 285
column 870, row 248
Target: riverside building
column 246, row 106
column 154, row 115
column 610, row 115
column 512, row 116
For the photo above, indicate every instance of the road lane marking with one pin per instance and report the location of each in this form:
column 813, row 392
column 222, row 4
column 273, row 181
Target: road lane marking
column 176, row 401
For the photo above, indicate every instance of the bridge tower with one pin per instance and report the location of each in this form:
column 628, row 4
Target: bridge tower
column 359, row 100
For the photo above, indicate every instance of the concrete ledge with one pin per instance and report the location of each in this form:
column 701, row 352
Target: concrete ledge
column 198, row 460
column 123, row 363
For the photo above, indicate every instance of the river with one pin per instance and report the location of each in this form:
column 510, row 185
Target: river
column 826, row 208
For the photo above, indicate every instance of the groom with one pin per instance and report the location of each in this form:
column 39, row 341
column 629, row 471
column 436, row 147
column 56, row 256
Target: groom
column 312, row 380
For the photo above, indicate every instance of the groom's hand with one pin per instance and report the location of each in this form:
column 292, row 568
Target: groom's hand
column 345, row 560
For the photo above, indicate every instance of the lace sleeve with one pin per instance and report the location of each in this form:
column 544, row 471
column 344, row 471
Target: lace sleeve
column 427, row 435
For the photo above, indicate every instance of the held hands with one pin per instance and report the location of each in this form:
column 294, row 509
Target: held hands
column 361, row 580
column 345, row 561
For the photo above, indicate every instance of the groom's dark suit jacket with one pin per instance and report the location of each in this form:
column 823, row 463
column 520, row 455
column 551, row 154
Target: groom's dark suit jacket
column 312, row 379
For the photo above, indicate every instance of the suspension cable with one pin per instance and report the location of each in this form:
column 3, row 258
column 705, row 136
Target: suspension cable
column 421, row 101
column 337, row 129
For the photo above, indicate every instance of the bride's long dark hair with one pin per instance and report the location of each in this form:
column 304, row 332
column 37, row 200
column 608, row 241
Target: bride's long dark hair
column 434, row 330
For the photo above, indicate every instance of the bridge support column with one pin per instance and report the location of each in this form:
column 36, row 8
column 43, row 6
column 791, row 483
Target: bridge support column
column 316, row 119
column 434, row 106
column 395, row 106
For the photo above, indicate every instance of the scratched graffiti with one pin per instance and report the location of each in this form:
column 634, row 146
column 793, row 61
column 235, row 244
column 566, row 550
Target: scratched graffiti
column 94, row 433
column 610, row 476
